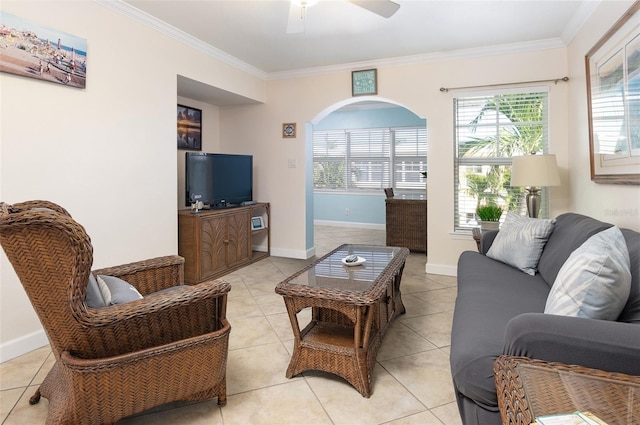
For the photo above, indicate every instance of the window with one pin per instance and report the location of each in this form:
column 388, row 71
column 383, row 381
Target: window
column 489, row 130
column 370, row 160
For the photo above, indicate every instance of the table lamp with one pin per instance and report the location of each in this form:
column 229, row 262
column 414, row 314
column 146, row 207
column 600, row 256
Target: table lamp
column 532, row 172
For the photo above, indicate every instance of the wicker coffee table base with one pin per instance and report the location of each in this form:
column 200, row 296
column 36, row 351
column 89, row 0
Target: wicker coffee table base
column 333, row 347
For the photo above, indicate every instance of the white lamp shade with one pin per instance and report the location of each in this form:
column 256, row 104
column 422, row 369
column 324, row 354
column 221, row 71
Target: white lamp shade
column 534, row 171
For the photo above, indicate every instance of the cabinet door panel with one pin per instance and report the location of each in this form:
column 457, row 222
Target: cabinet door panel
column 213, row 245
column 238, row 249
column 189, row 247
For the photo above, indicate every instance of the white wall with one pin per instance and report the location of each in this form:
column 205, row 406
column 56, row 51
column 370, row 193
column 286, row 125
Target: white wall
column 415, row 86
column 618, row 204
column 106, row 153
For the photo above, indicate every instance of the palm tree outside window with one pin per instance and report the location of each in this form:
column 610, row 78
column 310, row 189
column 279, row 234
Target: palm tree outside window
column 489, row 130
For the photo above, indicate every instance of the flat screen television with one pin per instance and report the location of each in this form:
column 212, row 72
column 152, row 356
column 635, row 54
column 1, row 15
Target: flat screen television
column 218, row 180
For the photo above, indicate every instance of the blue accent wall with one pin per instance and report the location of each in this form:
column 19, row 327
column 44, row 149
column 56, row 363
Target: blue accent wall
column 369, row 208
column 370, row 118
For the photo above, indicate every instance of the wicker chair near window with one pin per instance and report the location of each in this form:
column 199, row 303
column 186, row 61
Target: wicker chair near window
column 118, row 360
column 406, row 223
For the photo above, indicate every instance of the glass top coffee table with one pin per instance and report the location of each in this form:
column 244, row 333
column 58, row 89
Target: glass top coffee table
column 351, row 310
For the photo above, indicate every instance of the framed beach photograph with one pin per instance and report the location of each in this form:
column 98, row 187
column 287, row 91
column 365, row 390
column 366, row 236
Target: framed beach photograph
column 31, row 50
column 189, row 128
column 613, row 96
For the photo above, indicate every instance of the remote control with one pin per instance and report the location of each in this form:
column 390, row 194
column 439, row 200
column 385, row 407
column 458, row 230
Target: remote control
column 351, row 258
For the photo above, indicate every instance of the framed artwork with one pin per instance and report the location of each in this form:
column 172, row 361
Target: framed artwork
column 613, row 96
column 364, row 82
column 31, row 50
column 189, row 128
column 289, row 130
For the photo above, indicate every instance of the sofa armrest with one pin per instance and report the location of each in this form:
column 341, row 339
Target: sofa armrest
column 488, row 236
column 597, row 344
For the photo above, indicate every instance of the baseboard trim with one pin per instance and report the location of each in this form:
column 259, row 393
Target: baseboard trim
column 22, row 345
column 351, row 224
column 441, row 269
column 293, row 253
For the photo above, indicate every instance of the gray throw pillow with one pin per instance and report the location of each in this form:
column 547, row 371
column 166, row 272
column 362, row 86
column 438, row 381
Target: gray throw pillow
column 595, row 281
column 116, row 291
column 94, row 296
column 520, row 242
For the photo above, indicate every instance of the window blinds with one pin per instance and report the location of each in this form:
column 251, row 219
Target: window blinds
column 489, row 130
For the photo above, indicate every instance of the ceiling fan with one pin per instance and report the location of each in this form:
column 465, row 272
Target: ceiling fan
column 298, row 11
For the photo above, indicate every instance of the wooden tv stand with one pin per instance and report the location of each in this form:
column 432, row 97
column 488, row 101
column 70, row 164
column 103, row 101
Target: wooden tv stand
column 216, row 242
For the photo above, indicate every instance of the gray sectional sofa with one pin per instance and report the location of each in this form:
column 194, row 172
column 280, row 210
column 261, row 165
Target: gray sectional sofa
column 500, row 310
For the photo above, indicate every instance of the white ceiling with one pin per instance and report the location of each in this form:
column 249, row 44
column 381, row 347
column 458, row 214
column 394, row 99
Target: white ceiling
column 252, row 34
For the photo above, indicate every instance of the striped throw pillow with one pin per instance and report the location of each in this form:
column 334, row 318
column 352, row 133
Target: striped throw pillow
column 595, row 280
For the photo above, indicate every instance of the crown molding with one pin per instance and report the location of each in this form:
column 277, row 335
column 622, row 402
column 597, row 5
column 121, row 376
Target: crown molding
column 179, row 35
column 578, row 20
column 423, row 58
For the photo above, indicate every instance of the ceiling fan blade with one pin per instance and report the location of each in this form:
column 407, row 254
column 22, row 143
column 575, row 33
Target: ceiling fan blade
column 384, row 8
column 297, row 16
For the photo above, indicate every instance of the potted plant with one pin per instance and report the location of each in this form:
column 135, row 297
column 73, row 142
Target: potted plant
column 489, row 216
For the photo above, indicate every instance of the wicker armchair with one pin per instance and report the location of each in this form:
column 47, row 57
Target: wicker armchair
column 123, row 359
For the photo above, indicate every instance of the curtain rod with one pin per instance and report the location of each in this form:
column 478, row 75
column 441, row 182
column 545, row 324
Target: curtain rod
column 446, row 89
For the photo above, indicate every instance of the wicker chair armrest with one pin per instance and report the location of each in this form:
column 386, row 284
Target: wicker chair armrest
column 184, row 297
column 150, row 275
column 175, row 315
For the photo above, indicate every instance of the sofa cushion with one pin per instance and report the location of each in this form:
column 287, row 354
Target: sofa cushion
column 595, row 280
column 631, row 311
column 490, row 294
column 571, row 231
column 520, row 242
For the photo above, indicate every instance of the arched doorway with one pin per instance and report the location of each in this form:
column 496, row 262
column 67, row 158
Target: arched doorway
column 360, row 112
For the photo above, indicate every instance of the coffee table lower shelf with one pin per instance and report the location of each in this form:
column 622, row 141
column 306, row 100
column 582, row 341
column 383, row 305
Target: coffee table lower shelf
column 330, row 348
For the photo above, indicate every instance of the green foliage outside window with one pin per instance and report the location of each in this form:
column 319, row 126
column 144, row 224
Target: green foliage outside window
column 520, row 131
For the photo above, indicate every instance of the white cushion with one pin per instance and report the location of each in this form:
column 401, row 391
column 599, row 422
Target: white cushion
column 94, row 298
column 520, row 242
column 595, row 281
column 116, row 291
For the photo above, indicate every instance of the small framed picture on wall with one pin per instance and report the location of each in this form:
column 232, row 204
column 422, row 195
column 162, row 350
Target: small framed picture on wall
column 189, row 128
column 364, row 82
column 289, row 130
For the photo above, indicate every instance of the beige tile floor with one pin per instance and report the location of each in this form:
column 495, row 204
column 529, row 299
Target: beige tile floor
column 411, row 381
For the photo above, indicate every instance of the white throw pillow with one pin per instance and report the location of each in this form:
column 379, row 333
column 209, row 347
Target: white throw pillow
column 116, row 291
column 520, row 242
column 595, row 281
